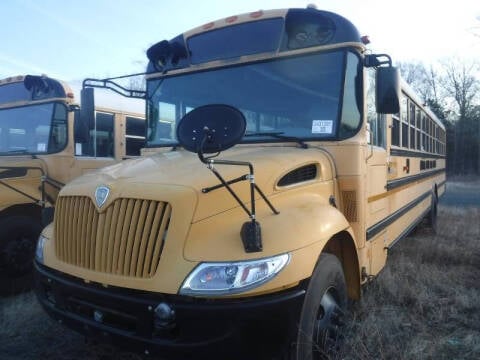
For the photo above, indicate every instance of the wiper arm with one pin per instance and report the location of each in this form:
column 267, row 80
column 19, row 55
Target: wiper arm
column 279, row 135
column 17, row 151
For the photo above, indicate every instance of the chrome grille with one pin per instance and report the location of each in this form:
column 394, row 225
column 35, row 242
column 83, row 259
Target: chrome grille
column 126, row 239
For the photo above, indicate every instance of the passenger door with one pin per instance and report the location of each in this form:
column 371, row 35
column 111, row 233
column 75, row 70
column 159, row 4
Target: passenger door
column 377, row 171
column 99, row 149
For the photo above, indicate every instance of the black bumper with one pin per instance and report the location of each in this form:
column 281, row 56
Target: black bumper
column 253, row 328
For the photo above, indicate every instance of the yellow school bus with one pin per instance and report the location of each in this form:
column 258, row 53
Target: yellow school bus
column 43, row 145
column 283, row 160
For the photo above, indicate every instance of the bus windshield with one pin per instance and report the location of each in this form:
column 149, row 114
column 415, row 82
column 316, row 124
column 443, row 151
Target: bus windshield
column 308, row 97
column 33, row 129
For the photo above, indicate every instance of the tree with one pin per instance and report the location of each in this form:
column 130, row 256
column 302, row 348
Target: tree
column 425, row 82
column 415, row 74
column 452, row 91
column 462, row 87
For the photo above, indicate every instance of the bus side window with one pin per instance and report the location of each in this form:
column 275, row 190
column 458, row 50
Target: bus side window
column 134, row 136
column 105, row 137
column 396, row 130
column 377, row 122
column 100, row 142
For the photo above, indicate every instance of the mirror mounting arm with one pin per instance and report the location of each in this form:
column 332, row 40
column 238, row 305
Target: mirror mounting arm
column 250, row 231
column 373, row 60
column 210, row 129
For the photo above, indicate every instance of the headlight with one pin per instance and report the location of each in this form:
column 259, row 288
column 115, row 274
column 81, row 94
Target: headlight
column 232, row 277
column 39, row 250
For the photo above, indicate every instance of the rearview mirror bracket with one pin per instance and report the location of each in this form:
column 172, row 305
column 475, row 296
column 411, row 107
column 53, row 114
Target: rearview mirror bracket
column 212, row 129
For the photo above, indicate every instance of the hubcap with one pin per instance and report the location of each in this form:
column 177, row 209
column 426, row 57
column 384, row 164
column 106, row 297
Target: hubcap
column 326, row 334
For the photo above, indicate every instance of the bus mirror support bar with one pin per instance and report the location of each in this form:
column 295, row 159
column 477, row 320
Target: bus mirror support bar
column 111, row 85
column 87, row 100
column 250, row 232
column 373, row 60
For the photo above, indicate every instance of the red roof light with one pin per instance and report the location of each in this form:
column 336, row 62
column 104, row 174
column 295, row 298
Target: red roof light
column 208, row 26
column 231, row 19
column 256, row 14
column 365, row 40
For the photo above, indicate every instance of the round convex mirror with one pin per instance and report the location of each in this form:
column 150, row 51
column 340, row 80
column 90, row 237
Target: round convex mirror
column 211, row 128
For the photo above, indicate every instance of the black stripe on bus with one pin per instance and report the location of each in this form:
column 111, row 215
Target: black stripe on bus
column 409, row 153
column 382, row 224
column 442, row 183
column 392, row 184
column 56, row 184
column 409, row 228
column 16, row 171
column 13, row 172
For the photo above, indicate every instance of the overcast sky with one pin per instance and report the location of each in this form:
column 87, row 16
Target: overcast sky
column 75, row 39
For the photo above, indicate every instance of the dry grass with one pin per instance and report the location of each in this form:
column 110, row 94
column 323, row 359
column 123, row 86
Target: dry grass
column 26, row 332
column 471, row 184
column 425, row 304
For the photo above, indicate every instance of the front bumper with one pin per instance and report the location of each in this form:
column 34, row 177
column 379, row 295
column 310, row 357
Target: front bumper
column 254, row 327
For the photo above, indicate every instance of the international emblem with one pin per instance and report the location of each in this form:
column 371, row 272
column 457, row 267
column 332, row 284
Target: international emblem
column 101, row 195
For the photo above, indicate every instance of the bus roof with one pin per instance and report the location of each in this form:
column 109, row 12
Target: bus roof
column 282, row 30
column 13, row 91
column 22, row 89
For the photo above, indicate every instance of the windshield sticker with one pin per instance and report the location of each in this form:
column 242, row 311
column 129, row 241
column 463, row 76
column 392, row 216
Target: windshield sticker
column 322, row 126
column 41, row 147
column 78, row 148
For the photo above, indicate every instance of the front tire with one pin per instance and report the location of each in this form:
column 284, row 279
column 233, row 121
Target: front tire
column 18, row 238
column 319, row 333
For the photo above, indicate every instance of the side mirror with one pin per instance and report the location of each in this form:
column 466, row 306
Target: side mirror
column 81, row 130
column 388, row 90
column 87, row 107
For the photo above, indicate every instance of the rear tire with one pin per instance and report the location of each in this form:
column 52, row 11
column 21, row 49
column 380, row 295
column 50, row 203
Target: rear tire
column 18, row 238
column 432, row 215
column 319, row 334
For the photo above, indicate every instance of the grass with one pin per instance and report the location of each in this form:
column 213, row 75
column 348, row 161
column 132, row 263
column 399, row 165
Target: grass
column 28, row 333
column 425, row 304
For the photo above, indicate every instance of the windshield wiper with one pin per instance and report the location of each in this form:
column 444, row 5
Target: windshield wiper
column 17, row 151
column 279, row 135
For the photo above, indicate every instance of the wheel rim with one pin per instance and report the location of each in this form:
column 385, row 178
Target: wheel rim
column 326, row 333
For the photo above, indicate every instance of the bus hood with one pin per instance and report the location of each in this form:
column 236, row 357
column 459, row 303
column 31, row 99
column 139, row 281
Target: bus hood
column 276, row 169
